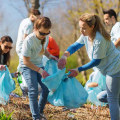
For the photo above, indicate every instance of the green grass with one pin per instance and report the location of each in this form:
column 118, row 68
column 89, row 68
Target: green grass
column 4, row 116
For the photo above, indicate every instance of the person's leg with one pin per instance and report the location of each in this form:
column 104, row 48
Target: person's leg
column 113, row 91
column 102, row 96
column 43, row 95
column 31, row 79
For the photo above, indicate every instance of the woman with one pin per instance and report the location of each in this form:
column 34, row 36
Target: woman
column 31, row 66
column 5, row 47
column 103, row 55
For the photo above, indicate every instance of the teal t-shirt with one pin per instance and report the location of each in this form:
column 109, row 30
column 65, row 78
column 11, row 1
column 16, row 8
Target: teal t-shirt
column 104, row 50
column 32, row 48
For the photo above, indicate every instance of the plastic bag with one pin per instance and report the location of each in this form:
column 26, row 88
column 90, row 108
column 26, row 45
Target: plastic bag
column 97, row 77
column 53, row 81
column 7, row 85
column 74, row 93
column 64, row 91
column 44, row 60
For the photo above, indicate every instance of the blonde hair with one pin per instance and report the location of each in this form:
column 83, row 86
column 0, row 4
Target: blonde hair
column 94, row 20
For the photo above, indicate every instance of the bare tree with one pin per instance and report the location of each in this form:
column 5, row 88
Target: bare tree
column 31, row 4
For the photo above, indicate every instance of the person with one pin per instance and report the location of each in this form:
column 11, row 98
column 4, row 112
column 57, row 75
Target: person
column 103, row 55
column 25, row 28
column 53, row 48
column 110, row 19
column 6, row 88
column 5, row 48
column 34, row 47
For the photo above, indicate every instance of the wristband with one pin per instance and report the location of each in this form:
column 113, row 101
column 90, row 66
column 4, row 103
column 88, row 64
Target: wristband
column 40, row 71
column 65, row 57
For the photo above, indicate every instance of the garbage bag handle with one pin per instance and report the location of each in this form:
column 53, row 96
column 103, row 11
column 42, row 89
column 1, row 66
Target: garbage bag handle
column 68, row 73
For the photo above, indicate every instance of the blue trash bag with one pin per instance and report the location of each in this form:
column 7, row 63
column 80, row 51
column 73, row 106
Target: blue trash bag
column 56, row 97
column 97, row 77
column 7, row 85
column 53, row 81
column 73, row 92
column 64, row 91
column 44, row 60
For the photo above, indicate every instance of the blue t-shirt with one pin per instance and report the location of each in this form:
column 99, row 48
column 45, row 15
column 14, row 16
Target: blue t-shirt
column 32, row 48
column 104, row 50
column 115, row 33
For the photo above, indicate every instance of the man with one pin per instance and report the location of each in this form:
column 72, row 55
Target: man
column 110, row 19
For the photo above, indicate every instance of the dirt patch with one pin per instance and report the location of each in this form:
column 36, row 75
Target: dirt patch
column 21, row 110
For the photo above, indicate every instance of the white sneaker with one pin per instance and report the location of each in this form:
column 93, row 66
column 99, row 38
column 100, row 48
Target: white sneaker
column 42, row 116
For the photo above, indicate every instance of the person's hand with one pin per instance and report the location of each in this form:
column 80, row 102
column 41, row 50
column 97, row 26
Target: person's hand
column 16, row 74
column 62, row 62
column 73, row 72
column 53, row 57
column 2, row 67
column 43, row 73
column 92, row 84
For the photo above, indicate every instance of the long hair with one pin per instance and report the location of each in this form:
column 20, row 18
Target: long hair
column 6, row 56
column 45, row 23
column 94, row 20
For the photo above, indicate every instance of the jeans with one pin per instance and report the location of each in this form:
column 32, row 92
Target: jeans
column 32, row 79
column 113, row 92
column 102, row 96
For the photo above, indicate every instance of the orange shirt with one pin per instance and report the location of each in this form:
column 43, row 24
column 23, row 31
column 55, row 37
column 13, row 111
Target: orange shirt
column 52, row 47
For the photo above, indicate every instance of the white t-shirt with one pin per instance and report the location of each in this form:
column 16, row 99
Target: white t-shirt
column 26, row 27
column 104, row 50
column 115, row 33
column 31, row 48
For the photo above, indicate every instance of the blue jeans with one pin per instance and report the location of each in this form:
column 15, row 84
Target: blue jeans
column 102, row 96
column 32, row 79
column 113, row 92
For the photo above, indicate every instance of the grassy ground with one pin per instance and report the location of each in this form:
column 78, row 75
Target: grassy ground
column 22, row 112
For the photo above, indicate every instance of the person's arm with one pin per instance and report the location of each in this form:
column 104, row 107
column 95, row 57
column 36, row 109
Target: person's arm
column 117, row 43
column 48, row 55
column 92, row 84
column 24, row 36
column 74, row 47
column 92, row 63
column 71, row 49
column 29, row 64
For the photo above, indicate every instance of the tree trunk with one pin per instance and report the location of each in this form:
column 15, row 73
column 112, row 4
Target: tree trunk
column 35, row 4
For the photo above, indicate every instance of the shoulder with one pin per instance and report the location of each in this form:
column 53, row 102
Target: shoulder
column 116, row 26
column 30, row 38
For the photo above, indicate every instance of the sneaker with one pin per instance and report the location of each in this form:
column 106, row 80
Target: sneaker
column 65, row 109
column 42, row 117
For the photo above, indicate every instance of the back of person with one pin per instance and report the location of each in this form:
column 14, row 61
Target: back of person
column 53, row 48
column 26, row 27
